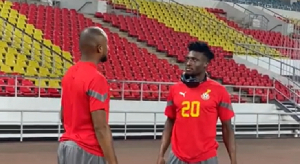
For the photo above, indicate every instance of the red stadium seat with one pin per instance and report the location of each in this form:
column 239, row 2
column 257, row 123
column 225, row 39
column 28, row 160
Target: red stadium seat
column 127, row 61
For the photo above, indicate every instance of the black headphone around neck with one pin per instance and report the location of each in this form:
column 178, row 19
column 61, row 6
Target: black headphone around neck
column 191, row 81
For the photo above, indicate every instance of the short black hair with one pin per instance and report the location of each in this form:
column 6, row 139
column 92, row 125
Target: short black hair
column 201, row 47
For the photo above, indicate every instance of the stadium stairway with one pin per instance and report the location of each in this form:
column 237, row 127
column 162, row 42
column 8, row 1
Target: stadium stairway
column 160, row 55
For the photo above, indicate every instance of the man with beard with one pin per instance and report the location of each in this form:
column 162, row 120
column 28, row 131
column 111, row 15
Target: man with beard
column 85, row 106
column 193, row 108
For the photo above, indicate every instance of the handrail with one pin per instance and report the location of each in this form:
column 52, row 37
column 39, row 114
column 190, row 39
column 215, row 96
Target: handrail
column 137, row 112
column 152, row 120
column 290, row 99
column 226, row 26
column 32, row 56
column 84, row 5
column 275, row 13
column 265, row 55
column 137, row 5
column 279, row 25
column 235, row 3
column 142, row 91
column 295, row 84
column 36, row 40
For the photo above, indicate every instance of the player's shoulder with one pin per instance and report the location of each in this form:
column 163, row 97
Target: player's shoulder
column 177, row 85
column 215, row 84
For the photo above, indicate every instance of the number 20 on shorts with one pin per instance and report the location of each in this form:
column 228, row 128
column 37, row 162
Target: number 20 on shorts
column 190, row 109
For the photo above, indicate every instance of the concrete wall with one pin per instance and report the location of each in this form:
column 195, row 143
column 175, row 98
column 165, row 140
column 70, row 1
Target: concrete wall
column 90, row 6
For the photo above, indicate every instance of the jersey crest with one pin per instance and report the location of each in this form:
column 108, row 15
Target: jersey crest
column 205, row 95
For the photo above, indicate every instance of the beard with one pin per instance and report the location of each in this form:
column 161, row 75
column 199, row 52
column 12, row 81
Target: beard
column 103, row 59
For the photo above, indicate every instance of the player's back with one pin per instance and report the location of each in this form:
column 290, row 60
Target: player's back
column 76, row 108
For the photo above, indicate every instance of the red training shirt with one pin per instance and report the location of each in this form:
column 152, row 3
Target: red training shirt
column 196, row 111
column 84, row 90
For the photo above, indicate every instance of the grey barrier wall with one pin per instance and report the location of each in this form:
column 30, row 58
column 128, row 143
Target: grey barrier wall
column 257, row 128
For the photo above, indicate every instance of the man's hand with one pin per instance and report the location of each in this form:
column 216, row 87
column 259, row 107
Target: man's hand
column 161, row 160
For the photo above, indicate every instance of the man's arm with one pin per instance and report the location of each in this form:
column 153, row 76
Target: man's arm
column 104, row 136
column 166, row 136
column 61, row 115
column 170, row 112
column 99, row 104
column 229, row 140
column 61, row 108
column 226, row 113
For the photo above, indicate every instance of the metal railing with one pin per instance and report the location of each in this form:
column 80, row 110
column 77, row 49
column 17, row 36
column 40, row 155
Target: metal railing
column 289, row 68
column 252, row 15
column 41, row 43
column 215, row 26
column 256, row 125
column 27, row 48
column 285, row 68
column 128, row 90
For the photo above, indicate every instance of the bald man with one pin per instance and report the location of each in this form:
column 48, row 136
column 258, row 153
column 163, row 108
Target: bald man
column 85, row 106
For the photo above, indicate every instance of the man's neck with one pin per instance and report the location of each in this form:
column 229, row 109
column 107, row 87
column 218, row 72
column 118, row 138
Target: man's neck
column 84, row 58
column 201, row 77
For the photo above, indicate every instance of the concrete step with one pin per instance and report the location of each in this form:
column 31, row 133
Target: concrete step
column 160, row 55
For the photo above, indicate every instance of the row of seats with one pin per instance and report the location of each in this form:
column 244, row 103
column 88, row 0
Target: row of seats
column 118, row 67
column 10, row 86
column 146, row 29
column 272, row 38
column 18, row 47
column 158, row 35
column 199, row 23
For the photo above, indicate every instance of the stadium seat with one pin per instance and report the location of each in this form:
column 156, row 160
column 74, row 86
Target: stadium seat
column 158, row 34
column 18, row 47
column 268, row 37
column 58, row 29
column 203, row 25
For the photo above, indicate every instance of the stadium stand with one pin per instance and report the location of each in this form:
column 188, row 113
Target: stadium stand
column 149, row 30
column 24, row 54
column 40, row 18
column 278, row 4
column 268, row 37
column 219, row 35
column 58, row 42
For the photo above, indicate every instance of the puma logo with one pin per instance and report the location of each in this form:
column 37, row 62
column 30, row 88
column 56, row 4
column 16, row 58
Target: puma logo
column 182, row 93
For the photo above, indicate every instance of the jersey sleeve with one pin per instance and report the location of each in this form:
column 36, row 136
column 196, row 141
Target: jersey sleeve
column 98, row 94
column 225, row 111
column 170, row 110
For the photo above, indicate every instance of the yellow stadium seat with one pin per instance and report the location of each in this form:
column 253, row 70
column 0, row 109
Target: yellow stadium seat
column 6, row 68
column 24, row 49
column 31, row 71
column 204, row 25
column 54, row 83
column 19, row 69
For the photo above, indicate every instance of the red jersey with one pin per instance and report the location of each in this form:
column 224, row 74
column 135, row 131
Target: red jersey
column 196, row 111
column 84, row 90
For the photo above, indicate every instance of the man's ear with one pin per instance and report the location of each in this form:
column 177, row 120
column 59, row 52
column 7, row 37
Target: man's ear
column 99, row 49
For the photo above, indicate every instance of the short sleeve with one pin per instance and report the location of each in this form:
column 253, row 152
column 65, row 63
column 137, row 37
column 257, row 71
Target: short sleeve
column 225, row 110
column 98, row 92
column 170, row 110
